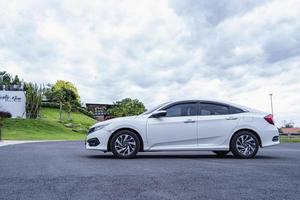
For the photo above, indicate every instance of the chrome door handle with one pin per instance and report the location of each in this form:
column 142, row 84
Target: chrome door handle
column 231, row 118
column 189, row 121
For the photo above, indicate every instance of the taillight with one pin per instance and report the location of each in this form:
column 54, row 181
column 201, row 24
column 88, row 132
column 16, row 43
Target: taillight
column 269, row 119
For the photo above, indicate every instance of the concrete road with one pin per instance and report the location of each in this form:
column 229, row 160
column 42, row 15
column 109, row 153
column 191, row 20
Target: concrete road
column 65, row 170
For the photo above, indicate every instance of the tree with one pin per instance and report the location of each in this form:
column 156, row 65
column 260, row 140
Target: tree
column 66, row 94
column 16, row 80
column 58, row 96
column 5, row 78
column 34, row 95
column 1, row 77
column 126, row 107
column 71, row 92
column 287, row 124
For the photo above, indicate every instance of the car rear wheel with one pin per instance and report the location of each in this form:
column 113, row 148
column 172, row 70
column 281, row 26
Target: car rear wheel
column 125, row 144
column 244, row 144
column 221, row 153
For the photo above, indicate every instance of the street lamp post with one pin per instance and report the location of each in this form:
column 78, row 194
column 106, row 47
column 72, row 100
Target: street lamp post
column 271, row 99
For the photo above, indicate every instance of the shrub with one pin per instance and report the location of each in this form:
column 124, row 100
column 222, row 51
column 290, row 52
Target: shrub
column 4, row 114
column 85, row 112
column 126, row 107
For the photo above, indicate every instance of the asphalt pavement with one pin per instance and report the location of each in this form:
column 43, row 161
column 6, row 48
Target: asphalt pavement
column 65, row 170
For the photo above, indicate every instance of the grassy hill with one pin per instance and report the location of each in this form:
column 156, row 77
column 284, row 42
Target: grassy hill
column 48, row 127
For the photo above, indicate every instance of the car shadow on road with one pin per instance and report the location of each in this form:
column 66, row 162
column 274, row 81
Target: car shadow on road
column 176, row 156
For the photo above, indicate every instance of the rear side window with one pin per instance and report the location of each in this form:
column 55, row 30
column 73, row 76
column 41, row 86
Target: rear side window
column 183, row 109
column 234, row 110
column 214, row 109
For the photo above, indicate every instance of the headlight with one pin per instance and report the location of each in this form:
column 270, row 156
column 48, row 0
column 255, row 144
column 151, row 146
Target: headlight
column 96, row 128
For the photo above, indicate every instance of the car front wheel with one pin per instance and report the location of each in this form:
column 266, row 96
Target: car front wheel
column 244, row 144
column 125, row 144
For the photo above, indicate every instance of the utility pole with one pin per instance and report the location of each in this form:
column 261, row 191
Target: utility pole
column 271, row 99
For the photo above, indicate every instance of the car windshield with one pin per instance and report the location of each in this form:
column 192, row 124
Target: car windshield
column 153, row 109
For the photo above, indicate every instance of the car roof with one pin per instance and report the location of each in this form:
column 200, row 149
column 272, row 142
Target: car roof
column 204, row 100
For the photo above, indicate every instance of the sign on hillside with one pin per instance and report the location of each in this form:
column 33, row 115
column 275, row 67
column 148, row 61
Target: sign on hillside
column 13, row 102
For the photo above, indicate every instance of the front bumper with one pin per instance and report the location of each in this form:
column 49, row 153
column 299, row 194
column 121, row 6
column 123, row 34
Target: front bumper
column 97, row 140
column 93, row 142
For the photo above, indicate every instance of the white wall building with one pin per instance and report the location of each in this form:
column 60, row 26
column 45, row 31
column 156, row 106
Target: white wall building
column 13, row 102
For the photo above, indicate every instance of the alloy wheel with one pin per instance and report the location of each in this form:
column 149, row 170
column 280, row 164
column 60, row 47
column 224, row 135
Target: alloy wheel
column 246, row 145
column 125, row 144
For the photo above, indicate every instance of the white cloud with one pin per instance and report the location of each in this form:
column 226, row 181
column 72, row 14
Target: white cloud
column 159, row 50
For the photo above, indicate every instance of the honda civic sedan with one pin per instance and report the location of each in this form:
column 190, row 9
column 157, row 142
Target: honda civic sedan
column 187, row 125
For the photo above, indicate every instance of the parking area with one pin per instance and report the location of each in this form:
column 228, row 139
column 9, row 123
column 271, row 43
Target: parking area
column 65, row 170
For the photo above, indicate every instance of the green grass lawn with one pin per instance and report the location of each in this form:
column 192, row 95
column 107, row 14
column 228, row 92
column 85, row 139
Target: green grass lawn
column 294, row 138
column 47, row 127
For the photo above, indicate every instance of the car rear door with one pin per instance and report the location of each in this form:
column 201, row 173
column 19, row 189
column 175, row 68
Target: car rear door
column 216, row 123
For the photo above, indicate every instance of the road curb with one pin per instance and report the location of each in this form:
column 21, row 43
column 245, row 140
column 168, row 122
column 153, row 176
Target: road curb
column 15, row 142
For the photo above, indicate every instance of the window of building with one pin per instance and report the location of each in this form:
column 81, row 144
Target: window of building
column 99, row 111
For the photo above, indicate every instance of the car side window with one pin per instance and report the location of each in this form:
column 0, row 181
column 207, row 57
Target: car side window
column 234, row 110
column 183, row 109
column 214, row 109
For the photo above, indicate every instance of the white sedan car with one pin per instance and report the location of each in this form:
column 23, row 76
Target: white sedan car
column 187, row 125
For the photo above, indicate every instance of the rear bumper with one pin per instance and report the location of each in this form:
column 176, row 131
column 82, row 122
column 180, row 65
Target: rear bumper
column 271, row 144
column 270, row 137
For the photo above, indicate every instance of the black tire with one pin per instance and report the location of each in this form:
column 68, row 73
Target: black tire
column 117, row 146
column 221, row 153
column 246, row 149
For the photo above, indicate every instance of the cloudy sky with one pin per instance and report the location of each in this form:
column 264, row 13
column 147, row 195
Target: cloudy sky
column 157, row 50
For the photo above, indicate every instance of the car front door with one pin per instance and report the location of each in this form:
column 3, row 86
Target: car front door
column 176, row 130
column 215, row 124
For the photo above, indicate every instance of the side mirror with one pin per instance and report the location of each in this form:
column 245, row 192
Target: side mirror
column 158, row 114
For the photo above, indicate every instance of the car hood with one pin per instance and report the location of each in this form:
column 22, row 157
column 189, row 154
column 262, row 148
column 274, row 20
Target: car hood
column 119, row 119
